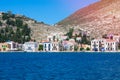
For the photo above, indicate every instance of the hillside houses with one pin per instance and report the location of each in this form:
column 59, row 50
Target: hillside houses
column 59, row 42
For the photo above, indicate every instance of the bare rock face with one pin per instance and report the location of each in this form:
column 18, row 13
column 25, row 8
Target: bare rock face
column 102, row 17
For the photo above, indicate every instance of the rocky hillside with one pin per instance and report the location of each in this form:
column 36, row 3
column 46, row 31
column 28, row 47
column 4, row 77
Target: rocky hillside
column 99, row 18
column 41, row 31
column 13, row 28
column 20, row 28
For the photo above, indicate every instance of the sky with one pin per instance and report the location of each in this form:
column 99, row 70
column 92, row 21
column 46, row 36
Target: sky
column 48, row 11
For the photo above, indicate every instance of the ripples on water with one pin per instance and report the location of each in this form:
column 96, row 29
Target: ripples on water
column 65, row 66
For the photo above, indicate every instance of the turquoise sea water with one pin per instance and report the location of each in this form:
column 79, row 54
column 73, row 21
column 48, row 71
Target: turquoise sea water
column 62, row 66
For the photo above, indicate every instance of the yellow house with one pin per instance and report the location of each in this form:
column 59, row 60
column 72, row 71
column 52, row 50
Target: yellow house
column 4, row 47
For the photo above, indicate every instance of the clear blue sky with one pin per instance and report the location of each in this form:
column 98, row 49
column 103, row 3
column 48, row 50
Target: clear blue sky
column 48, row 11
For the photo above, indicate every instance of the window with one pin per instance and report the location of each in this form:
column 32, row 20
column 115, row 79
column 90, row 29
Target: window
column 49, row 47
column 50, row 39
column 14, row 45
column 45, row 45
column 113, row 48
column 111, row 43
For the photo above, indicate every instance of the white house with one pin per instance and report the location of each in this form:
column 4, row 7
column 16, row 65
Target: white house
column 47, row 46
column 50, row 38
column 96, row 44
column 54, row 37
column 104, row 45
column 68, row 45
column 12, row 45
column 30, row 46
column 111, row 45
column 55, row 46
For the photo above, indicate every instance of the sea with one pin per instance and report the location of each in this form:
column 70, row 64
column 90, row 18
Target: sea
column 59, row 66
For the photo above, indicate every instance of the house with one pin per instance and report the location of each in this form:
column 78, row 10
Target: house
column 117, row 38
column 97, row 44
column 4, row 47
column 30, row 46
column 111, row 45
column 55, row 46
column 78, row 39
column 20, row 47
column 12, row 45
column 54, row 37
column 47, row 46
column 104, row 45
column 50, row 38
column 68, row 45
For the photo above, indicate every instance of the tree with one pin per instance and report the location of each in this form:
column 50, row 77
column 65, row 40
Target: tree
column 84, row 39
column 17, row 31
column 6, row 29
column 88, row 49
column 5, row 16
column 19, row 23
column 81, row 49
column 40, row 47
column 69, row 34
column 54, row 38
column 67, row 39
column 2, row 31
column 10, row 22
column 0, row 23
column 75, row 48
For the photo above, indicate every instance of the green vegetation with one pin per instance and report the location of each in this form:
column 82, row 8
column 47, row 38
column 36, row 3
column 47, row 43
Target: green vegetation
column 0, row 23
column 40, row 48
column 10, row 22
column 69, row 34
column 84, row 39
column 15, row 29
column 87, row 49
column 81, row 49
column 19, row 23
column 75, row 48
column 5, row 16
